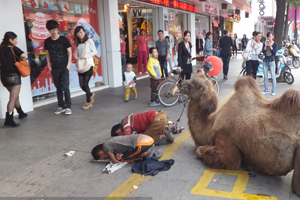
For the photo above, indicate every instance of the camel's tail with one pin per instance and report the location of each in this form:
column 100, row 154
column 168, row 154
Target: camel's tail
column 288, row 102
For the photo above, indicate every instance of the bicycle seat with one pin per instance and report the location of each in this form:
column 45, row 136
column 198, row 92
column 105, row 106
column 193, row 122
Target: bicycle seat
column 175, row 71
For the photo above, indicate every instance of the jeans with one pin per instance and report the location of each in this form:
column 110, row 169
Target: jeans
column 226, row 60
column 163, row 65
column 123, row 59
column 270, row 66
column 61, row 82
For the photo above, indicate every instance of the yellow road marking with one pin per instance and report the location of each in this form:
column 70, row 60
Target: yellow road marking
column 136, row 179
column 238, row 188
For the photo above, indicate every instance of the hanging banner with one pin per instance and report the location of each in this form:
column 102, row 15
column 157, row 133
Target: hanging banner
column 291, row 14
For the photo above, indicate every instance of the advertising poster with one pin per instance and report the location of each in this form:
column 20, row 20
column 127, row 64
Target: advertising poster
column 36, row 33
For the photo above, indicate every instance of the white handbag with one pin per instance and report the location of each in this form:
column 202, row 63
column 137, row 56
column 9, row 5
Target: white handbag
column 83, row 65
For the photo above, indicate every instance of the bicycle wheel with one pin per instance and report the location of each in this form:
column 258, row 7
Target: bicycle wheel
column 167, row 94
column 215, row 84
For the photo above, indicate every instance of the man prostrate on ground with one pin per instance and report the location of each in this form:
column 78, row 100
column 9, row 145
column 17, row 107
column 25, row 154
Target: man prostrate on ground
column 150, row 123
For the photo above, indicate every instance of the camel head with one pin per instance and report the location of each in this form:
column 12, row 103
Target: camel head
column 198, row 87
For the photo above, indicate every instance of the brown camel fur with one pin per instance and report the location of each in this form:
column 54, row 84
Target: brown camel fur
column 249, row 130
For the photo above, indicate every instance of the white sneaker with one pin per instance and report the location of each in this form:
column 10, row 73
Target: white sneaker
column 273, row 93
column 140, row 73
column 265, row 92
column 59, row 110
column 68, row 111
column 146, row 72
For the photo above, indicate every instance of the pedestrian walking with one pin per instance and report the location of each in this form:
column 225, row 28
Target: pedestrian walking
column 154, row 70
column 129, row 81
column 269, row 49
column 162, row 47
column 244, row 42
column 170, row 60
column 123, row 51
column 142, row 51
column 184, row 56
column 225, row 46
column 208, row 47
column 59, row 56
column 235, row 45
column 10, row 76
column 255, row 47
column 85, row 45
column 199, row 44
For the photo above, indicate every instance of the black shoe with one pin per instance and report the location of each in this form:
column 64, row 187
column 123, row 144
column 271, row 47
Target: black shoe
column 22, row 115
column 9, row 120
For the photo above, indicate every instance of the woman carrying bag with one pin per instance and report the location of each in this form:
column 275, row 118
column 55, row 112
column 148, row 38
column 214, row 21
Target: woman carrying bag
column 254, row 46
column 10, row 76
column 85, row 50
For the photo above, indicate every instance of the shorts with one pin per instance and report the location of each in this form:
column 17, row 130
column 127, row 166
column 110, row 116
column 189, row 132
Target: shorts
column 10, row 79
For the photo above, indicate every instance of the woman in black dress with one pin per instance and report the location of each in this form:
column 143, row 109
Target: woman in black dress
column 184, row 56
column 10, row 76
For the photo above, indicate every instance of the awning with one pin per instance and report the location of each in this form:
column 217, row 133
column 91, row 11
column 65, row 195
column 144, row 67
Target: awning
column 243, row 5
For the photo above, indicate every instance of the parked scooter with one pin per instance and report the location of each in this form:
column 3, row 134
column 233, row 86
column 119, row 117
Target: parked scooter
column 291, row 49
column 284, row 72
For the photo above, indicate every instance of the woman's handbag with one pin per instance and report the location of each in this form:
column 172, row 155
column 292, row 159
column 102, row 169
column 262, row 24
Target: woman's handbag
column 246, row 55
column 21, row 65
column 83, row 65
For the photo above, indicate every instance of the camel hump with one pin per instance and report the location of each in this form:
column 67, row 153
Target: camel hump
column 246, row 82
column 288, row 102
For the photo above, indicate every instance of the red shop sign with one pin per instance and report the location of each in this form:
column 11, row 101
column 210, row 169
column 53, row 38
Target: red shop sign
column 211, row 10
column 173, row 4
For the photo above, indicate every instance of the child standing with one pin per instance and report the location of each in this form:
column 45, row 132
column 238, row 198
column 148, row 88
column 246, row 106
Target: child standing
column 59, row 55
column 154, row 71
column 129, row 80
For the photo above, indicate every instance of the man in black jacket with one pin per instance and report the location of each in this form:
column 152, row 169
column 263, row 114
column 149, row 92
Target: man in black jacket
column 225, row 46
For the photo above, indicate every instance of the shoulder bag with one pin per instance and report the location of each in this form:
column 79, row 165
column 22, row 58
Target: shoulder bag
column 83, row 65
column 247, row 55
column 21, row 65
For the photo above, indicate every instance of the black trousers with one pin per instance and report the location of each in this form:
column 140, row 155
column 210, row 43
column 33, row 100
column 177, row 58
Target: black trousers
column 226, row 60
column 163, row 65
column 251, row 67
column 61, row 82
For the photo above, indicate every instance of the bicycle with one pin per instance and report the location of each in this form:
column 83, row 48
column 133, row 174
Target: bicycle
column 169, row 90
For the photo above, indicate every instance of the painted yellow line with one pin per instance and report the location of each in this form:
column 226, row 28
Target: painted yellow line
column 126, row 187
column 136, row 179
column 238, row 188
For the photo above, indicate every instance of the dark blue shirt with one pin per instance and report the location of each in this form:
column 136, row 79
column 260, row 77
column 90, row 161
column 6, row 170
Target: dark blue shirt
column 270, row 54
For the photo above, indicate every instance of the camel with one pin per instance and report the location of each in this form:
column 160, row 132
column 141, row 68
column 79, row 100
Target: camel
column 249, row 130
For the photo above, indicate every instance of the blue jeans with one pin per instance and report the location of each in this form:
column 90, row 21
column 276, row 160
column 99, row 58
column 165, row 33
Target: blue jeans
column 163, row 65
column 123, row 59
column 271, row 66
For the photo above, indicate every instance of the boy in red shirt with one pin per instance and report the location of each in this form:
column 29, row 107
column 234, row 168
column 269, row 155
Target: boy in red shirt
column 150, row 123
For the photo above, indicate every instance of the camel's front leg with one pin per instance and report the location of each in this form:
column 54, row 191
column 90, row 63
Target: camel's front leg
column 223, row 155
column 296, row 174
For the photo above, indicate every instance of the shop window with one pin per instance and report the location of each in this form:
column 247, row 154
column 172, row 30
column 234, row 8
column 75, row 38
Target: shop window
column 176, row 29
column 69, row 14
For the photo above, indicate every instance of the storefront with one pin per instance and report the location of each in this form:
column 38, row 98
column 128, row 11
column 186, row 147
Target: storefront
column 103, row 21
column 144, row 14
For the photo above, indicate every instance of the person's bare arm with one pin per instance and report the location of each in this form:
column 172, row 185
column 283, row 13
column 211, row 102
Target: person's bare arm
column 48, row 60
column 69, row 50
column 23, row 56
column 112, row 157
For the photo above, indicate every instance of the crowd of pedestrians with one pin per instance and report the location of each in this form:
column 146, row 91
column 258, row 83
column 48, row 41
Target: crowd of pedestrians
column 59, row 55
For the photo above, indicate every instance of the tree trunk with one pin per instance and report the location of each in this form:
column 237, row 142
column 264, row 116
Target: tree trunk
column 279, row 22
column 286, row 26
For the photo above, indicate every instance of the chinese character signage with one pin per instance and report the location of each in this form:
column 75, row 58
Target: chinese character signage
column 180, row 5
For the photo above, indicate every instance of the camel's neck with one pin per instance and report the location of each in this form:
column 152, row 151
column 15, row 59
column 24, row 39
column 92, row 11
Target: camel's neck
column 206, row 106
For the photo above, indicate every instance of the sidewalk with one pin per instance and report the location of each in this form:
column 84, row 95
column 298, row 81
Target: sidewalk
column 33, row 162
